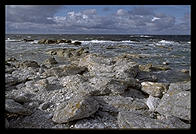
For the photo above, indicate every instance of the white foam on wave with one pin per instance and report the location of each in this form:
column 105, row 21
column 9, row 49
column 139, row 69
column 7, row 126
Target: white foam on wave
column 98, row 41
column 34, row 42
column 127, row 41
column 165, row 42
column 12, row 40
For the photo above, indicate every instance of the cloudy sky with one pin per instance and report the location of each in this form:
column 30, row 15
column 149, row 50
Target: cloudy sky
column 98, row 19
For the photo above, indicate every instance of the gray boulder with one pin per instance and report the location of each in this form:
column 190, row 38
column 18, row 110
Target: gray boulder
column 76, row 108
column 15, row 107
column 65, row 70
column 118, row 103
column 177, row 101
column 130, row 119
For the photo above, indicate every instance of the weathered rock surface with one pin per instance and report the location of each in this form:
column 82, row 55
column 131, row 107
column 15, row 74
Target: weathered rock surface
column 177, row 101
column 50, row 61
column 152, row 102
column 49, row 41
column 76, row 108
column 119, row 67
column 14, row 107
column 154, row 89
column 65, row 70
column 92, row 91
column 127, row 119
column 28, row 63
column 118, row 103
column 149, row 67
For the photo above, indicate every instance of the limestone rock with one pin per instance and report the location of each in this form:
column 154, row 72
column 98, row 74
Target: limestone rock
column 14, row 107
column 75, row 108
column 152, row 102
column 65, row 70
column 28, row 63
column 130, row 119
column 177, row 101
column 50, row 61
column 154, row 89
column 118, row 103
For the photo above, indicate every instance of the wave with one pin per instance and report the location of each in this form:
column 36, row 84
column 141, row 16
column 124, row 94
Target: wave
column 13, row 40
column 165, row 42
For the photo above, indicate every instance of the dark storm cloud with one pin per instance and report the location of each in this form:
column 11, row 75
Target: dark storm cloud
column 29, row 17
column 42, row 19
column 142, row 11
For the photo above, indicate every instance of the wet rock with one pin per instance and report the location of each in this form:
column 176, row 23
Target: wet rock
column 77, row 43
column 144, row 76
column 159, row 68
column 63, row 41
column 75, row 108
column 50, row 61
column 11, row 59
column 27, row 63
column 14, row 107
column 46, row 41
column 149, row 67
column 184, row 71
column 177, row 101
column 154, row 89
column 145, row 67
column 130, row 119
column 28, row 40
column 68, row 52
column 152, row 102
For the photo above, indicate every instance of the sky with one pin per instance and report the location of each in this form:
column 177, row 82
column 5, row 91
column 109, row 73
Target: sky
column 98, row 19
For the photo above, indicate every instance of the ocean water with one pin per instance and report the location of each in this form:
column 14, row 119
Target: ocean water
column 156, row 49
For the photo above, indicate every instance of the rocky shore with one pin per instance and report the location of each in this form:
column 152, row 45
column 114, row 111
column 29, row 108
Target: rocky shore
column 93, row 91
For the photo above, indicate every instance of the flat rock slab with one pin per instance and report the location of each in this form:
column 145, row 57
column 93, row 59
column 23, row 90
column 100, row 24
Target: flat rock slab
column 177, row 101
column 129, row 119
column 120, row 103
column 76, row 108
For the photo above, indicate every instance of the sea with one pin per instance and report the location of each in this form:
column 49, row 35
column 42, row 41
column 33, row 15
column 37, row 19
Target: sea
column 156, row 49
